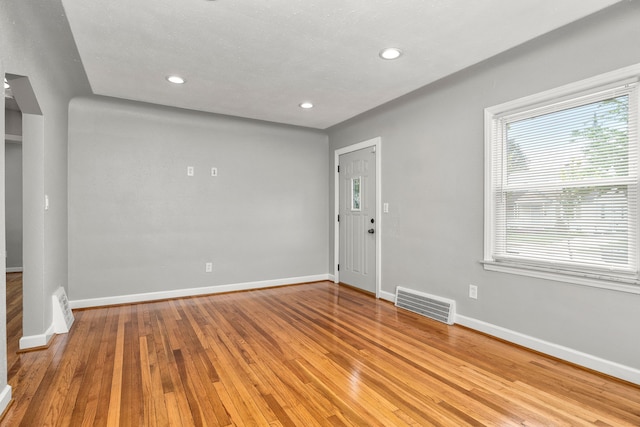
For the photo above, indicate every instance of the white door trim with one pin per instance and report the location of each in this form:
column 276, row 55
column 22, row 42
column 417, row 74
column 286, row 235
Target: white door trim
column 377, row 144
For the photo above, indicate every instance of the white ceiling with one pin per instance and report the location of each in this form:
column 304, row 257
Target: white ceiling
column 261, row 59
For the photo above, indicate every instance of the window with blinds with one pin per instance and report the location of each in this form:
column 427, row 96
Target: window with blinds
column 562, row 183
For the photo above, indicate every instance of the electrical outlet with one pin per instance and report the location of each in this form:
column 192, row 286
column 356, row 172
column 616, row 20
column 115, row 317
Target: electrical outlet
column 208, row 267
column 190, row 171
column 473, row 291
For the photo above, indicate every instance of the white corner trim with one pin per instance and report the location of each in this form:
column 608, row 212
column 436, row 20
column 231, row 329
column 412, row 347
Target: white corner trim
column 5, row 398
column 388, row 296
column 608, row 367
column 206, row 290
column 32, row 341
column 14, row 269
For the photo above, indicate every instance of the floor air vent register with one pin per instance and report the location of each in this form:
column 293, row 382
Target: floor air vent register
column 62, row 314
column 431, row 306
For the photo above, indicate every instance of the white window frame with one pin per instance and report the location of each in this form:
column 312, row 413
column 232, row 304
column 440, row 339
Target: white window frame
column 355, row 208
column 612, row 281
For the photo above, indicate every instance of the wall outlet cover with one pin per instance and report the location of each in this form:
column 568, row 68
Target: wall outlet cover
column 473, row 291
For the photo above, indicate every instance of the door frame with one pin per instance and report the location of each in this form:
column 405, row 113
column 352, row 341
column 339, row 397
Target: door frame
column 375, row 143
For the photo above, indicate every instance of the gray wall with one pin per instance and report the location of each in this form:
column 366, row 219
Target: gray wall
column 13, row 203
column 13, row 189
column 12, row 122
column 138, row 224
column 432, row 172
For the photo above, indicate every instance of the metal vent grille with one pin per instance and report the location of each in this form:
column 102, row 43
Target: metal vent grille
column 62, row 314
column 436, row 308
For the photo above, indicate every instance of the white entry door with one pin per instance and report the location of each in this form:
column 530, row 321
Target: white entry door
column 357, row 219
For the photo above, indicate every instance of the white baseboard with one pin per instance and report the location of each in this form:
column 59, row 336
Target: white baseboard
column 178, row 293
column 608, row 367
column 32, row 341
column 5, row 398
column 387, row 296
column 14, row 269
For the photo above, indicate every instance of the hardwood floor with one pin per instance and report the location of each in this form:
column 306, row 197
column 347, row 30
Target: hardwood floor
column 314, row 354
column 14, row 316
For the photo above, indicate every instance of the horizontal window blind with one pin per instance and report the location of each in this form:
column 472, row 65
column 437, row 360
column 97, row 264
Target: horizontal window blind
column 565, row 184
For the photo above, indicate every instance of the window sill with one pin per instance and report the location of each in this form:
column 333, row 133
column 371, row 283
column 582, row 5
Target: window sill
column 620, row 285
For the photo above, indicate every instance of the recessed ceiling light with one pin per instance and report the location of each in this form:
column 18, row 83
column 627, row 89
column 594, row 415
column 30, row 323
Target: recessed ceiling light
column 175, row 79
column 390, row 53
column 306, row 105
column 6, row 84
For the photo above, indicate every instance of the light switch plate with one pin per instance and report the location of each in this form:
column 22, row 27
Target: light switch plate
column 473, row 291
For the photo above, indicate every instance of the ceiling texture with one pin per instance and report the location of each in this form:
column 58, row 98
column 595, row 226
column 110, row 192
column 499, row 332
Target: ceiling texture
column 261, row 59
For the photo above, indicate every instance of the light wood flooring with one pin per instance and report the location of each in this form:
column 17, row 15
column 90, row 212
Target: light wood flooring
column 313, row 354
column 14, row 316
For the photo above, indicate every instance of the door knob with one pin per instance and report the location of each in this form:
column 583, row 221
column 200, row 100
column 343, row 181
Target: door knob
column 371, row 231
